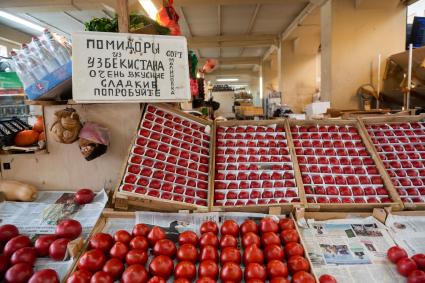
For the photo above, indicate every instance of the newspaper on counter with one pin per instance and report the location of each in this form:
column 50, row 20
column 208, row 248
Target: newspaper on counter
column 41, row 216
column 352, row 250
column 408, row 232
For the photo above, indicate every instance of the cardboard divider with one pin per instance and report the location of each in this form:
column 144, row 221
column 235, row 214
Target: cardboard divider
column 364, row 122
column 396, row 203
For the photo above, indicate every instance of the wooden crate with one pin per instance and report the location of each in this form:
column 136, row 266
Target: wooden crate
column 123, row 200
column 394, row 119
column 263, row 208
column 396, row 203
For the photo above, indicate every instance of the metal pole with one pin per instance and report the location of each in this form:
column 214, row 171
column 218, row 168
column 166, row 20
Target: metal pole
column 409, row 77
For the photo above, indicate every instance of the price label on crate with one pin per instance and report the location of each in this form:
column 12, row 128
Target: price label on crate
column 121, row 67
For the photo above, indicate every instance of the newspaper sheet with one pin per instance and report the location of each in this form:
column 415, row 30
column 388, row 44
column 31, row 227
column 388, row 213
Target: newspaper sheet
column 353, row 250
column 41, row 216
column 408, row 232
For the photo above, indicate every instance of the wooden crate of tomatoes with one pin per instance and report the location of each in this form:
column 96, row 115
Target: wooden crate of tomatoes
column 193, row 247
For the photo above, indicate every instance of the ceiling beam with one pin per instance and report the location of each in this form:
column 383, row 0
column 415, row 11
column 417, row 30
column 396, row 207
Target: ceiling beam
column 234, row 72
column 235, row 60
column 231, row 41
column 28, row 6
column 251, row 24
column 232, row 2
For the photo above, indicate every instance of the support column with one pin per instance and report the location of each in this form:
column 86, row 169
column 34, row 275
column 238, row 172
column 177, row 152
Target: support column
column 353, row 33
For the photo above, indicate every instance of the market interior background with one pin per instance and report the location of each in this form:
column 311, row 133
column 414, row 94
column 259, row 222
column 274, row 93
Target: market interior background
column 299, row 52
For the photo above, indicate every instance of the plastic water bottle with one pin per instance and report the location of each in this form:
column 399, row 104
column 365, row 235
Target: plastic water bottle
column 21, row 69
column 44, row 55
column 57, row 49
column 35, row 67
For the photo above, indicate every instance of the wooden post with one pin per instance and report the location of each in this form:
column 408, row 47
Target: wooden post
column 123, row 17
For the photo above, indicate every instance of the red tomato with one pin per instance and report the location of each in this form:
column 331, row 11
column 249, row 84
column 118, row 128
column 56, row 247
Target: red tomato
column 209, row 226
column 181, row 280
column 155, row 235
column 114, row 267
column 43, row 243
column 303, row 277
column 122, row 236
column 254, row 281
column 417, row 276
column 136, row 257
column 79, row 276
column 25, row 255
column 268, row 225
column 69, row 228
column 326, row 278
column 270, row 238
column 229, row 227
column 395, row 253
column 272, row 252
column 286, row 223
column 7, row 232
column 188, row 237
column 187, row 252
column 294, row 248
column 230, row 254
column 185, row 269
column 139, row 242
column 209, row 253
column 289, row 235
column 206, row 280
column 101, row 241
column 140, row 230
column 250, row 238
column 405, row 266
column 253, row 254
column 161, row 266
column 92, row 260
column 276, row 268
column 208, row 268
column 84, row 196
column 135, row 273
column 118, row 250
column 156, row 279
column 18, row 273
column 255, row 271
column 165, row 247
column 298, row 263
column 15, row 244
column 279, row 280
column 4, row 264
column 228, row 241
column 101, row 277
column 57, row 249
column 208, row 239
column 420, row 260
column 45, row 276
column 249, row 226
column 231, row 272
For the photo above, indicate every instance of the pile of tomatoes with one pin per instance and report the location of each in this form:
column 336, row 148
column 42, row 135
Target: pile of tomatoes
column 413, row 268
column 251, row 252
column 18, row 253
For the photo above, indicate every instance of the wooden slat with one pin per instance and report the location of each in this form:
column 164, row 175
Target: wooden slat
column 123, row 17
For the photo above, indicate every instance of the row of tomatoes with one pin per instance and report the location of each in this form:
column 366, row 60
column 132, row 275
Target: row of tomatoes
column 124, row 256
column 413, row 268
column 18, row 253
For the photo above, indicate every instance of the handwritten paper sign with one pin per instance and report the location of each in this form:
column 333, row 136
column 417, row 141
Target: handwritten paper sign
column 122, row 67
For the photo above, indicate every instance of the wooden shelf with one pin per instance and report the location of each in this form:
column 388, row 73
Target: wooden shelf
column 49, row 102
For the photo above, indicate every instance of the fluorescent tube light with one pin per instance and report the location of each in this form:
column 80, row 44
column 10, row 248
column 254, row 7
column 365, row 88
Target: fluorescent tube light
column 149, row 7
column 227, row 80
column 21, row 21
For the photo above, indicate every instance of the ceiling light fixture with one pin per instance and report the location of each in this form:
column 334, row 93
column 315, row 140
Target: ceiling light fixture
column 227, row 80
column 21, row 21
column 149, row 7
